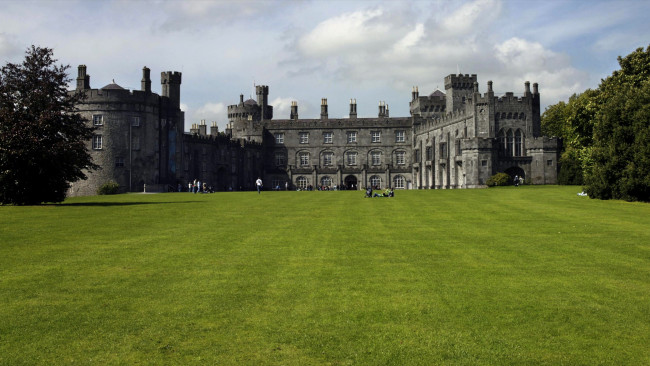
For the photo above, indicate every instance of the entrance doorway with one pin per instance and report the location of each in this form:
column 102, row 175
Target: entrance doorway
column 350, row 182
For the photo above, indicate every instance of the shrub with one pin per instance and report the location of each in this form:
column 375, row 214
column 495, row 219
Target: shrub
column 499, row 179
column 108, row 188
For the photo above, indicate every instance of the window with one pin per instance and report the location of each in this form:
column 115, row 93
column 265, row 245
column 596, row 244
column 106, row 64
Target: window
column 399, row 136
column 352, row 136
column 327, row 137
column 376, row 136
column 549, row 162
column 135, row 121
column 443, row 150
column 327, row 158
column 429, row 153
column 304, row 137
column 375, row 182
column 119, row 162
column 510, row 141
column 97, row 142
column 326, row 181
column 518, row 145
column 98, row 119
column 483, row 162
column 301, row 182
column 458, row 149
column 398, row 182
column 280, row 159
column 304, row 158
column 279, row 138
column 375, row 158
column 417, row 155
column 352, row 158
column 400, row 157
column 135, row 142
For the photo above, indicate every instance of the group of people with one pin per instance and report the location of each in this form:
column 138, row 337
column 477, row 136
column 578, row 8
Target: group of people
column 389, row 192
column 197, row 187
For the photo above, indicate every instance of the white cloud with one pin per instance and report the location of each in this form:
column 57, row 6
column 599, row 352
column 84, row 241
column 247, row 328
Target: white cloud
column 282, row 107
column 360, row 31
column 470, row 17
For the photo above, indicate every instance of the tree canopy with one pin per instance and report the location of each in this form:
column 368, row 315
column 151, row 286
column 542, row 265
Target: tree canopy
column 42, row 137
column 606, row 133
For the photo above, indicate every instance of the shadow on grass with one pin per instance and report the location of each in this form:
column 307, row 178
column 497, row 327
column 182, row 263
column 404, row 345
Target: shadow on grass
column 108, row 204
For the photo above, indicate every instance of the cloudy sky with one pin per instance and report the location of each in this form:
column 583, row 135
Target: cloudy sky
column 311, row 49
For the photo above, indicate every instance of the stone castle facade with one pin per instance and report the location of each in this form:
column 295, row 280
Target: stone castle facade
column 455, row 139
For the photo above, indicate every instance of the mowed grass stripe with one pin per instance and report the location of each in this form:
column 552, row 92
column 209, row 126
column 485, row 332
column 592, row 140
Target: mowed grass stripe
column 528, row 275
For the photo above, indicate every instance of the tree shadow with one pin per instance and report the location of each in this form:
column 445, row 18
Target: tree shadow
column 109, row 204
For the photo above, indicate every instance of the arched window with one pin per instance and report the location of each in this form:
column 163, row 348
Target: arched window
column 502, row 143
column 328, row 158
column 518, row 143
column 509, row 143
column 326, row 181
column 375, row 182
column 399, row 182
column 303, row 158
column 375, row 157
column 301, row 182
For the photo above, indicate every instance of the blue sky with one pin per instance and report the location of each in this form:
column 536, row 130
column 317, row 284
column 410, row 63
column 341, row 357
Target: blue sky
column 307, row 50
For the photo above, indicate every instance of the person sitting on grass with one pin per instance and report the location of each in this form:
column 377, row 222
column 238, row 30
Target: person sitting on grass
column 368, row 192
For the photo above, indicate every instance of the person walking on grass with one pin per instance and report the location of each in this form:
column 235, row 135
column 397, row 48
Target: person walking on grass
column 258, row 183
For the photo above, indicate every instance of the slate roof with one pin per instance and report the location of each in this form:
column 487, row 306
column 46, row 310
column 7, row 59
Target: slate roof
column 113, row 86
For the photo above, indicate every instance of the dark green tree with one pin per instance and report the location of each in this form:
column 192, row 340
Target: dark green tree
column 42, row 137
column 573, row 123
column 618, row 163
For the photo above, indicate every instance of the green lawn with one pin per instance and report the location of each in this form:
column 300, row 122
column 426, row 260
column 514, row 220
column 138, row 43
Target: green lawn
column 503, row 276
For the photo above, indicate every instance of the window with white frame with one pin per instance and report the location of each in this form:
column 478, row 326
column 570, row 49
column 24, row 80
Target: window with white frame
column 98, row 119
column 400, row 136
column 351, row 158
column 375, row 157
column 376, row 136
column 400, row 157
column 375, row 182
column 326, row 181
column 135, row 121
column 399, row 182
column 97, row 142
column 304, row 137
column 301, row 182
column 327, row 137
column 327, row 158
column 352, row 136
column 280, row 159
column 119, row 161
column 279, row 138
column 304, row 158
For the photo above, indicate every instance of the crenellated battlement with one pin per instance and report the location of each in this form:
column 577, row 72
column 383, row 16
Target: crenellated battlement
column 460, row 81
column 169, row 77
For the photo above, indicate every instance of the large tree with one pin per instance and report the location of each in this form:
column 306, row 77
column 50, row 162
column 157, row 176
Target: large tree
column 42, row 137
column 618, row 164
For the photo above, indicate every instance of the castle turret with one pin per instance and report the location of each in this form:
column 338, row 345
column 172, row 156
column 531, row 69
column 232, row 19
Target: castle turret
column 171, row 86
column 83, row 79
column 145, row 84
column 262, row 92
column 458, row 88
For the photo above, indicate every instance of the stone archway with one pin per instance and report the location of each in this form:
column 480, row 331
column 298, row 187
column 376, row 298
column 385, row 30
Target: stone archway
column 351, row 182
column 515, row 170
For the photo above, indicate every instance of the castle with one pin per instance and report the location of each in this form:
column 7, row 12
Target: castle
column 455, row 139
